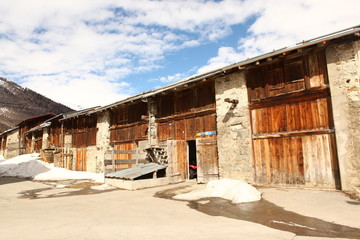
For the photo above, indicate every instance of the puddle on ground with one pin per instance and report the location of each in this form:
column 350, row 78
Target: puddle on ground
column 66, row 189
column 171, row 192
column 268, row 214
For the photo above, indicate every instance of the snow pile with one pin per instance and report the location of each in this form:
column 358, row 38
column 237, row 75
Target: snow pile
column 234, row 190
column 24, row 166
column 2, row 157
column 29, row 166
column 64, row 174
column 4, row 110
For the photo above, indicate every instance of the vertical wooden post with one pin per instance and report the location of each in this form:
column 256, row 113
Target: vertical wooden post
column 113, row 159
column 137, row 153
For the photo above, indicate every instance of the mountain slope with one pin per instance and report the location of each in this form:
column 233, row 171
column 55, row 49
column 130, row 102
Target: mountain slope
column 18, row 103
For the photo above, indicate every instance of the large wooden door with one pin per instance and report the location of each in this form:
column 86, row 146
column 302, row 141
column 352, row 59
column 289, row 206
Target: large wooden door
column 207, row 159
column 294, row 144
column 291, row 121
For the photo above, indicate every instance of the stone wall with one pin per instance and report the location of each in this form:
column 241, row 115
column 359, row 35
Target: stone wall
column 93, row 156
column 343, row 63
column 45, row 138
column 102, row 141
column 233, row 127
column 67, row 141
column 152, row 133
column 12, row 144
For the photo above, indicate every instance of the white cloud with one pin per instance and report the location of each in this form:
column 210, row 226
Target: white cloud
column 72, row 51
column 79, row 53
column 92, row 91
column 173, row 78
column 226, row 56
column 188, row 15
column 281, row 23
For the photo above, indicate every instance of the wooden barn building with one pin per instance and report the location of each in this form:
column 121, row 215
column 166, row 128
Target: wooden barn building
column 286, row 118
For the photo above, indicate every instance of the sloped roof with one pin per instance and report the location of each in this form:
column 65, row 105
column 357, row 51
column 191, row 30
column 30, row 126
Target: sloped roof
column 37, row 118
column 79, row 113
column 135, row 172
column 9, row 130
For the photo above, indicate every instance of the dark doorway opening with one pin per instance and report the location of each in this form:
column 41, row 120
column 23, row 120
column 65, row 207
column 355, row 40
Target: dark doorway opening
column 192, row 159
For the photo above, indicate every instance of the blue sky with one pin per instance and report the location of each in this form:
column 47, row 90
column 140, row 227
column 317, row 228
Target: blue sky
column 86, row 53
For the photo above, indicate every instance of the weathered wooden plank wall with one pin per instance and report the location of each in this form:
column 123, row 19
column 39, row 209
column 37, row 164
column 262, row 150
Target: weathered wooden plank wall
column 130, row 132
column 127, row 123
column 3, row 142
column 292, row 127
column 38, row 141
column 187, row 128
column 131, row 146
column 55, row 134
column 83, row 130
column 182, row 116
column 124, row 155
column 27, row 144
column 25, row 139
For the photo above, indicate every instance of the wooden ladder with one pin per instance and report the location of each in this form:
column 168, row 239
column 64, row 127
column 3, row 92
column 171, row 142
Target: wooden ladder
column 157, row 154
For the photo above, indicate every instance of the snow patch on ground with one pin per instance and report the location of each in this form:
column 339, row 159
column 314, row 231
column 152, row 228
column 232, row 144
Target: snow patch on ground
column 234, row 190
column 29, row 166
column 4, row 110
column 24, row 166
column 64, row 174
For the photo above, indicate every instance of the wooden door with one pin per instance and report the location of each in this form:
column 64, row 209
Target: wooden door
column 294, row 144
column 207, row 159
column 81, row 159
column 177, row 155
column 291, row 121
column 67, row 159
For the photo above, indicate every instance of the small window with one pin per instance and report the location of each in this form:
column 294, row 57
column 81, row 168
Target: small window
column 166, row 105
column 184, row 101
column 276, row 79
column 136, row 111
column 119, row 116
column 256, row 81
column 294, row 71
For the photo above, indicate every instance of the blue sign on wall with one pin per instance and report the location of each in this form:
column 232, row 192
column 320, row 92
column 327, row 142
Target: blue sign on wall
column 206, row 133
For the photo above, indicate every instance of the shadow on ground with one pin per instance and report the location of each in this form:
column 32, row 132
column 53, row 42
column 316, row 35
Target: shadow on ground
column 268, row 214
column 69, row 189
column 9, row 180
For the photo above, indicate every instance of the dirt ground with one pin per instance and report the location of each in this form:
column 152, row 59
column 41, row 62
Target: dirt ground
column 33, row 210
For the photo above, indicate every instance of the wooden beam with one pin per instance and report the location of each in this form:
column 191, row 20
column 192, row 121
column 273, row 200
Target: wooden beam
column 308, row 95
column 121, row 152
column 137, row 154
column 113, row 162
column 293, row 134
